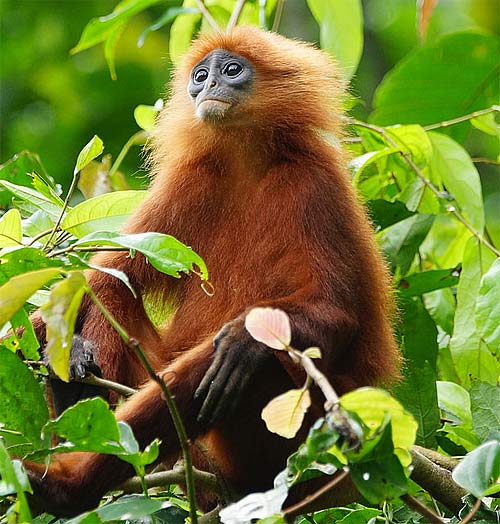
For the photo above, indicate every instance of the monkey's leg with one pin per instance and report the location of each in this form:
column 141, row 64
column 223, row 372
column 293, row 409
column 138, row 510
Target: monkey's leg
column 75, row 482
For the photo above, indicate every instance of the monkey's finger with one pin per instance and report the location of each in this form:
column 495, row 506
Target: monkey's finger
column 231, row 397
column 216, row 391
column 204, row 386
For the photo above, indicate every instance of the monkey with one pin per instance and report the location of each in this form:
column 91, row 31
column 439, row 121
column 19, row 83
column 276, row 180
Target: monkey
column 245, row 173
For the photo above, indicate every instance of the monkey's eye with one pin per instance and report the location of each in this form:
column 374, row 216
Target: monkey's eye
column 200, row 75
column 232, row 69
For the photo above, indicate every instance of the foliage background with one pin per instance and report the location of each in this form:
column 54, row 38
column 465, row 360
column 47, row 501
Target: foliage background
column 434, row 195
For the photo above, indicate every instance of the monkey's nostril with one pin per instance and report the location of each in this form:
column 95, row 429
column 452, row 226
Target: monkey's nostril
column 213, row 83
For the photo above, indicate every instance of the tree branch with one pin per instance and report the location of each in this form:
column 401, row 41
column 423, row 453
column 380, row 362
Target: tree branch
column 463, row 118
column 417, row 506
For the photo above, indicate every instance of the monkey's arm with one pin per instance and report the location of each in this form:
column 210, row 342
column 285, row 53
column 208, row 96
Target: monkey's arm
column 239, row 358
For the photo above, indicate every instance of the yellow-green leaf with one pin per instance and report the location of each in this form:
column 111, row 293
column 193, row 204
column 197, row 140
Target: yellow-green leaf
column 60, row 313
column 92, row 150
column 313, row 352
column 372, row 405
column 15, row 292
column 285, row 413
column 11, row 231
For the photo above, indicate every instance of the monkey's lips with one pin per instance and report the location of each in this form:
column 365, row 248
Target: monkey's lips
column 212, row 109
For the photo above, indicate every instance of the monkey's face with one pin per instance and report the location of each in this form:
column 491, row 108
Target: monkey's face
column 218, row 84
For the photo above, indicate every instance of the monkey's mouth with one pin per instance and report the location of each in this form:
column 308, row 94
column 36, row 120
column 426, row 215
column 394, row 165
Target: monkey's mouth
column 212, row 109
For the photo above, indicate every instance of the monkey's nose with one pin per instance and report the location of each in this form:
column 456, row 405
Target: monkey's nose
column 213, row 83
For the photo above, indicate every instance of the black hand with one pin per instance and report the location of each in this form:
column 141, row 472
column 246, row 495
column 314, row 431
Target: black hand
column 81, row 363
column 238, row 358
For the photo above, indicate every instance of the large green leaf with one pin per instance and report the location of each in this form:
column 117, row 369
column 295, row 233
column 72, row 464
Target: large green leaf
column 418, row 391
column 488, row 307
column 427, row 281
column 23, row 410
column 98, row 29
column 400, row 242
column 485, row 399
column 11, row 231
column 164, row 252
column 471, row 358
column 440, row 81
column 13, row 479
column 15, row 292
column 33, row 198
column 480, row 469
column 459, row 175
column 341, row 31
column 105, row 212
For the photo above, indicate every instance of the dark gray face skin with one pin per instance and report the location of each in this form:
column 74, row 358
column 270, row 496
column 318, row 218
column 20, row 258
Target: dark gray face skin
column 218, row 83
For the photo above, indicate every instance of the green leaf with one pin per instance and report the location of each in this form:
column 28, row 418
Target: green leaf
column 168, row 16
column 145, row 116
column 454, row 400
column 455, row 168
column 18, row 290
column 23, row 410
column 488, row 307
column 418, row 392
column 480, row 469
column 360, row 163
column 129, row 508
column 427, row 281
column 341, row 31
column 34, row 198
column 11, row 231
column 414, row 140
column 401, row 241
column 485, row 399
column 380, row 475
column 432, row 85
column 99, row 29
column 372, row 406
column 26, row 341
column 92, row 150
column 106, row 212
column 15, row 480
column 19, row 260
column 110, row 47
column 471, row 358
column 59, row 315
column 181, row 32
column 385, row 214
column 164, row 252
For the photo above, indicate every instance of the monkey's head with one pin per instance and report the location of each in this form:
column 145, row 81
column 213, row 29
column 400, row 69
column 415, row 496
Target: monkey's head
column 255, row 79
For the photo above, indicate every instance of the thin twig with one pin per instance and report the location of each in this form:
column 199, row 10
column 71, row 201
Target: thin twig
column 200, row 4
column 463, row 118
column 136, row 139
column 90, row 379
column 174, row 412
column 420, row 508
column 296, row 508
column 472, row 512
column 482, row 160
column 278, row 13
column 89, row 249
column 235, row 15
column 408, row 159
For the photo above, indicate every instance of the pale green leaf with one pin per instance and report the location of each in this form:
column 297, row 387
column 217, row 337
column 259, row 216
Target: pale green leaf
column 106, row 212
column 11, row 231
column 34, row 198
column 488, row 307
column 341, row 31
column 92, row 150
column 372, row 406
column 459, row 175
column 59, row 314
column 284, row 414
column 472, row 360
column 145, row 116
column 15, row 292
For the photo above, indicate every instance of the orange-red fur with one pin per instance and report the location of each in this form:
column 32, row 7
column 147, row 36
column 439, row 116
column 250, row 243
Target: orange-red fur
column 268, row 204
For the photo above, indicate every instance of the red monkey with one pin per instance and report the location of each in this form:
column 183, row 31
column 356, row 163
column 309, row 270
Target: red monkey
column 244, row 175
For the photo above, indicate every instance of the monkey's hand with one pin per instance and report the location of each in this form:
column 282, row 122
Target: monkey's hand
column 238, row 359
column 81, row 363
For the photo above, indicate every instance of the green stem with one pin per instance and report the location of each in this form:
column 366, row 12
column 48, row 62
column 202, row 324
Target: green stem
column 463, row 118
column 409, row 161
column 174, row 412
column 278, row 13
column 136, row 139
column 200, row 4
column 235, row 15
